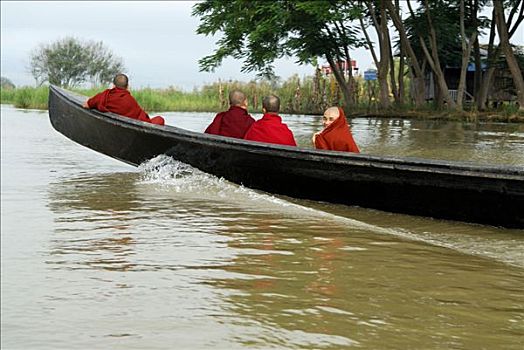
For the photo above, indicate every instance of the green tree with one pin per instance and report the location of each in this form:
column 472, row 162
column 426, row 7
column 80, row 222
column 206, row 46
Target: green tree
column 494, row 51
column 444, row 33
column 416, row 68
column 6, row 83
column 434, row 30
column 70, row 62
column 378, row 18
column 259, row 32
column 502, row 29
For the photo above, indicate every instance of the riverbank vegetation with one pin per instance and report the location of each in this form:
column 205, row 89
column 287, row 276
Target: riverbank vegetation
column 69, row 62
column 306, row 95
column 433, row 67
column 438, row 44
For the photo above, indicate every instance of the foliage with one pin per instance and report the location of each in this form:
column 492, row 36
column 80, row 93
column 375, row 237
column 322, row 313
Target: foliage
column 70, row 62
column 308, row 95
column 104, row 64
column 208, row 98
column 26, row 97
column 519, row 55
column 445, row 16
column 6, row 84
column 259, row 32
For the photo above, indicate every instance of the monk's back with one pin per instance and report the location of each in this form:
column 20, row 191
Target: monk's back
column 270, row 129
column 232, row 123
column 118, row 100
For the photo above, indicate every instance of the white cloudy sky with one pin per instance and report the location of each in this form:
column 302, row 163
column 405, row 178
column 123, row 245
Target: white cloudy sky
column 157, row 40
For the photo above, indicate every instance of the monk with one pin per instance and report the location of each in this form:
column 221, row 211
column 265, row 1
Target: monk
column 235, row 121
column 118, row 100
column 270, row 128
column 336, row 135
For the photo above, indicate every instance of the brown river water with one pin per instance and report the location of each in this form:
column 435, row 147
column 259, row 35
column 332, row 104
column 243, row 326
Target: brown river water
column 96, row 254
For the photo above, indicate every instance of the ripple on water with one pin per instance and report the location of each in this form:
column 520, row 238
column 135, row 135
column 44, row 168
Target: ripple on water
column 158, row 257
column 466, row 238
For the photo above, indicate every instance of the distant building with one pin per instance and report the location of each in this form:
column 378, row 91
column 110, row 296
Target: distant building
column 343, row 65
column 501, row 90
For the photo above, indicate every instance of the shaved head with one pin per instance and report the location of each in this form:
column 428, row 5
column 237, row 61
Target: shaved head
column 237, row 98
column 332, row 112
column 330, row 115
column 121, row 81
column 271, row 103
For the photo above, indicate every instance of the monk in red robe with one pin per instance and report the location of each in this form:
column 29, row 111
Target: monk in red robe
column 118, row 100
column 336, row 135
column 235, row 121
column 270, row 128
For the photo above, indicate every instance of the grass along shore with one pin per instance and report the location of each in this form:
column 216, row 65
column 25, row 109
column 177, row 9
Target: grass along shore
column 209, row 98
column 297, row 97
column 150, row 99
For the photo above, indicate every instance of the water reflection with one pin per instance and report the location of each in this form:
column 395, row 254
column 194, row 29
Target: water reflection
column 343, row 286
column 119, row 222
column 253, row 270
column 480, row 142
column 94, row 221
column 484, row 143
column 166, row 258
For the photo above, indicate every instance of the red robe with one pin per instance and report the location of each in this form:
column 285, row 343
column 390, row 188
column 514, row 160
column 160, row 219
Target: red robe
column 270, row 129
column 120, row 101
column 232, row 123
column 337, row 136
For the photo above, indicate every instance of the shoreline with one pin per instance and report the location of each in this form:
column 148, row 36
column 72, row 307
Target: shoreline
column 465, row 116
column 212, row 98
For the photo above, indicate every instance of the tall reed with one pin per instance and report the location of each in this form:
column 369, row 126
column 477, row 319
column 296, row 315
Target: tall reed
column 26, row 97
column 307, row 95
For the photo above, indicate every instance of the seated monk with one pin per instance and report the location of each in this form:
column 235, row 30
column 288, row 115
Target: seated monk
column 336, row 135
column 270, row 128
column 118, row 100
column 235, row 121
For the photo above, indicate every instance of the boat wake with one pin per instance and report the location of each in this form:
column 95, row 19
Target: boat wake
column 470, row 239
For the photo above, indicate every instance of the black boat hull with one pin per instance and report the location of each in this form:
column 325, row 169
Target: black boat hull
column 448, row 190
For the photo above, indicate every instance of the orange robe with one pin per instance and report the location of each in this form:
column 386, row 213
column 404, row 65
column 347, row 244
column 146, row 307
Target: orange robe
column 120, row 101
column 337, row 136
column 232, row 123
column 270, row 129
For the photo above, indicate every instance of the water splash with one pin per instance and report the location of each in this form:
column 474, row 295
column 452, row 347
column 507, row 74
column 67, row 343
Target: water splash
column 182, row 178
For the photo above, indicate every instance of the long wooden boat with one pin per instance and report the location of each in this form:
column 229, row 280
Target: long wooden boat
column 491, row 195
